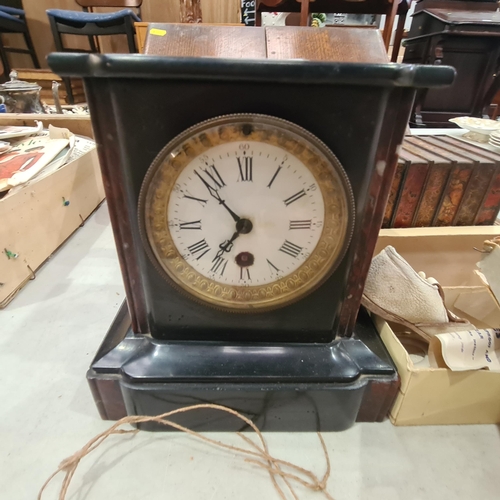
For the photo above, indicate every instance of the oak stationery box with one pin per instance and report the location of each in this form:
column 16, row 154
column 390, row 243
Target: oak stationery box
column 438, row 396
column 443, row 181
column 247, row 171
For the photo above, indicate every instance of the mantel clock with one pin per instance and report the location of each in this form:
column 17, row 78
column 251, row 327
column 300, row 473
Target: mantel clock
column 246, row 173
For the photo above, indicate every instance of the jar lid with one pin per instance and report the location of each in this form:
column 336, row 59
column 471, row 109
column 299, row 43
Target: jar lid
column 18, row 85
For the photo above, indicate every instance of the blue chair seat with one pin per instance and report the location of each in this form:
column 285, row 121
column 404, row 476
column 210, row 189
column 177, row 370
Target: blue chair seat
column 4, row 16
column 11, row 10
column 91, row 25
column 14, row 21
column 76, row 17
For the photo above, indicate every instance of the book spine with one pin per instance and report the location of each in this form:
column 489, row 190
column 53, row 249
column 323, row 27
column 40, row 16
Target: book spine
column 453, row 194
column 431, row 195
column 491, row 206
column 393, row 195
column 413, row 183
column 474, row 196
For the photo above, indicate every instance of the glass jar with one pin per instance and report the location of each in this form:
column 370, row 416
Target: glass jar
column 21, row 97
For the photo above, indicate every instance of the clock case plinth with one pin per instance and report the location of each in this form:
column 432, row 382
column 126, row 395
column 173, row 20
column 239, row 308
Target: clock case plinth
column 359, row 110
column 305, row 387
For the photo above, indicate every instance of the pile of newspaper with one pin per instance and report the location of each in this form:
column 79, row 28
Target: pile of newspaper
column 28, row 154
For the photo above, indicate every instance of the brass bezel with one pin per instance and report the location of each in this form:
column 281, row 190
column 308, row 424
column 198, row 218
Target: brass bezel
column 326, row 169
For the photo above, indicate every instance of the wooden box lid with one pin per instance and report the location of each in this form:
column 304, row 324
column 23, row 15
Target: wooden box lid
column 455, row 16
column 339, row 44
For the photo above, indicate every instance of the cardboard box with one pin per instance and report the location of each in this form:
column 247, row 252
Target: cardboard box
column 35, row 221
column 435, row 396
column 78, row 124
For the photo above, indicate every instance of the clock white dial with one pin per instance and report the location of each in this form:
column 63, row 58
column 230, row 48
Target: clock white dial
column 246, row 212
column 260, row 183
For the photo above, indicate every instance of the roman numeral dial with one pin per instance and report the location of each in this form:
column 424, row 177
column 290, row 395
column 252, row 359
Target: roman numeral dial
column 245, row 166
column 210, row 177
column 219, row 265
column 246, row 214
column 199, row 249
column 300, row 224
column 245, row 211
column 291, row 249
column 295, row 197
column 195, row 224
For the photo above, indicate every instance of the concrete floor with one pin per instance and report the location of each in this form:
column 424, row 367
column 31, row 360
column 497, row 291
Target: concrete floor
column 48, row 336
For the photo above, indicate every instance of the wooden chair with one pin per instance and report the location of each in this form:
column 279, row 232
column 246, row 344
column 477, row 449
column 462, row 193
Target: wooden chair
column 403, row 8
column 13, row 20
column 93, row 24
column 389, row 8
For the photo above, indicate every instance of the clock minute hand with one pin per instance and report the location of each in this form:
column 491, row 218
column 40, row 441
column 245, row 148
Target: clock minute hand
column 235, row 217
column 215, row 194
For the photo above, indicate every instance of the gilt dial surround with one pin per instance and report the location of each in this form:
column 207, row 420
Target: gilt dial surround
column 246, row 212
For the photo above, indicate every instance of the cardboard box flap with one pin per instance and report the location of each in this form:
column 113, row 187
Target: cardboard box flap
column 36, row 220
column 446, row 397
column 398, row 353
column 477, row 304
column 490, row 267
column 446, row 253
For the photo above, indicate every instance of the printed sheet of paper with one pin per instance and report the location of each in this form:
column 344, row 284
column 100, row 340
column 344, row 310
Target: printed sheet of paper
column 76, row 148
column 82, row 146
column 467, row 350
column 28, row 157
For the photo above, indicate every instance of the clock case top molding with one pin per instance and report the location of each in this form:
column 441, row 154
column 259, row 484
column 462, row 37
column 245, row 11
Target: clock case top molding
column 139, row 103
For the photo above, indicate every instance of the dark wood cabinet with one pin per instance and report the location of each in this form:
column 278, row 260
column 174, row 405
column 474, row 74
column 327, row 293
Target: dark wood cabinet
column 468, row 40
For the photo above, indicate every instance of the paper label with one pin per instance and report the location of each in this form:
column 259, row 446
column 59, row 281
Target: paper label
column 467, row 350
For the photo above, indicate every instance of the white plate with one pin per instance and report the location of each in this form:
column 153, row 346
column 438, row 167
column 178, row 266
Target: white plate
column 478, row 125
column 9, row 132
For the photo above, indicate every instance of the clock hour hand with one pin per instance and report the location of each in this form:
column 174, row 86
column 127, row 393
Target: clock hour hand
column 243, row 226
column 215, row 194
column 226, row 246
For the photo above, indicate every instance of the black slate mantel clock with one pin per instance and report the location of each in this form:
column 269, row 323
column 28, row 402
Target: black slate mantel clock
column 246, row 172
